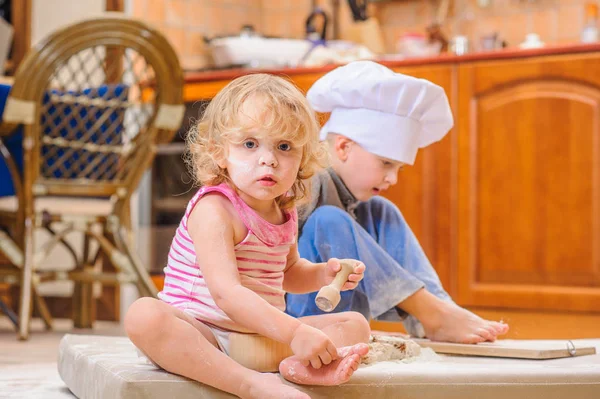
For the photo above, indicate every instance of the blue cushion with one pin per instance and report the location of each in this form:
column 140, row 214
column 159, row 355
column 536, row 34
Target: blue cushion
column 14, row 144
column 90, row 114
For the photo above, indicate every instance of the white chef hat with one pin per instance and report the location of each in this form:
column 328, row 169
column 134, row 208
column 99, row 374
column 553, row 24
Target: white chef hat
column 388, row 114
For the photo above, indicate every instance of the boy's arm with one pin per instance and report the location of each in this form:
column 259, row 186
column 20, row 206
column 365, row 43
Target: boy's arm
column 212, row 233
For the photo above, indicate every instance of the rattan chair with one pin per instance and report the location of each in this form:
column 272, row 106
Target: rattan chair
column 94, row 99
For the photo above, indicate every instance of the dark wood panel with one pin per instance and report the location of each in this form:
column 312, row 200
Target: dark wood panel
column 534, row 202
column 115, row 5
column 529, row 184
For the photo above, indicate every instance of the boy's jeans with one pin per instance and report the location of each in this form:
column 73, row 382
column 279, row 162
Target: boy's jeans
column 396, row 264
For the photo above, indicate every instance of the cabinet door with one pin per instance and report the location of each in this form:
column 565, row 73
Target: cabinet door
column 529, row 183
column 423, row 192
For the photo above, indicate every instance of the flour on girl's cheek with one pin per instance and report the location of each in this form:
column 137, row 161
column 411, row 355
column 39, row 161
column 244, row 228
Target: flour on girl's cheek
column 241, row 167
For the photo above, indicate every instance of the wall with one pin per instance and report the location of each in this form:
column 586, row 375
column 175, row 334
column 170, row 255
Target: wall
column 49, row 15
column 185, row 22
column 556, row 21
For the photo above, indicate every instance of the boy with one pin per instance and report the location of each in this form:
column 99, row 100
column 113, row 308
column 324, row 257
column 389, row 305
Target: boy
column 379, row 119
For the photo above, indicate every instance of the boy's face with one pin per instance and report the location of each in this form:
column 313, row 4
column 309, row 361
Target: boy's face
column 365, row 174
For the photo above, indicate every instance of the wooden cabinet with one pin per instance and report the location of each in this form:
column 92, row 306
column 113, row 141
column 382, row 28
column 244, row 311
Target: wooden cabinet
column 528, row 183
column 507, row 205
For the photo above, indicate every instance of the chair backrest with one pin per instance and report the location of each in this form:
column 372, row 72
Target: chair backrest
column 94, row 98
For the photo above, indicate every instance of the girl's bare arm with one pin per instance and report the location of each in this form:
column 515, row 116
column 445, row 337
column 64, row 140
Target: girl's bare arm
column 211, row 228
column 302, row 276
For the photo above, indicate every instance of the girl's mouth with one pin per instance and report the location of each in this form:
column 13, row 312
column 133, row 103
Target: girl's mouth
column 267, row 181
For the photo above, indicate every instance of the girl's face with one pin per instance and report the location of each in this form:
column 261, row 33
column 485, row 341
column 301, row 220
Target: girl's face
column 261, row 167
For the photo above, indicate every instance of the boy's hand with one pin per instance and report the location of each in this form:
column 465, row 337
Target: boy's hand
column 312, row 346
column 334, row 266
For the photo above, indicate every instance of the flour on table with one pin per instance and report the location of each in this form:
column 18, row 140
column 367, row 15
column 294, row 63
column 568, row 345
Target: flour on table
column 388, row 348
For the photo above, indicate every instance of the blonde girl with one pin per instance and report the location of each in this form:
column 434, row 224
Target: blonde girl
column 234, row 254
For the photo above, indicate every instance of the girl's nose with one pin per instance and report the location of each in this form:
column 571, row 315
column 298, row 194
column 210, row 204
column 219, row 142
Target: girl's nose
column 268, row 159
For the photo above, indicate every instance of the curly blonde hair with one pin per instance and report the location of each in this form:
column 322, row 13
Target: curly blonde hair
column 287, row 116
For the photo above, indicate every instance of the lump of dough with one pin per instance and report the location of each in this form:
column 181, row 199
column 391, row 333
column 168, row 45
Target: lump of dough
column 384, row 348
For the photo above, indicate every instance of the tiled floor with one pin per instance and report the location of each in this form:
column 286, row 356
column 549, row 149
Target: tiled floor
column 28, row 369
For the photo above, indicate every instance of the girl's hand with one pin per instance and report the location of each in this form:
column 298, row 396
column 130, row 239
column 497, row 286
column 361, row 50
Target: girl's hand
column 334, row 266
column 312, row 346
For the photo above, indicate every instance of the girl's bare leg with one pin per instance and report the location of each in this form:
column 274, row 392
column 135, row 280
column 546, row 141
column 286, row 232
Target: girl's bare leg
column 349, row 332
column 344, row 329
column 182, row 345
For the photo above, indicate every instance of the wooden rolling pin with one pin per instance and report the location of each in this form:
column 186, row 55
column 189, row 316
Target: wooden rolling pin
column 329, row 296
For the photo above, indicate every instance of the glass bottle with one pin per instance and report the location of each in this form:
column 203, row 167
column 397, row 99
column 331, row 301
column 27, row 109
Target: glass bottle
column 589, row 34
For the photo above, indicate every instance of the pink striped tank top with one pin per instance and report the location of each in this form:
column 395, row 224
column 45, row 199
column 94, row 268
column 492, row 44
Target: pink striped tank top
column 261, row 259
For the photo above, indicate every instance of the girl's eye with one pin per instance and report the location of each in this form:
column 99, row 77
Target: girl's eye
column 386, row 163
column 285, row 146
column 249, row 144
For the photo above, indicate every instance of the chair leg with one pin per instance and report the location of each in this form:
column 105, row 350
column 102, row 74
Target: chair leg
column 26, row 283
column 42, row 308
column 83, row 305
column 83, row 294
column 9, row 312
column 144, row 282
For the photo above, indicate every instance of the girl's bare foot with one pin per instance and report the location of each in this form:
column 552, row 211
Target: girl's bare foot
column 448, row 322
column 270, row 386
column 335, row 373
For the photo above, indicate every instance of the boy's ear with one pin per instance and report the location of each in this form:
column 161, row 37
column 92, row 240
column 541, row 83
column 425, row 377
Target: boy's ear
column 342, row 147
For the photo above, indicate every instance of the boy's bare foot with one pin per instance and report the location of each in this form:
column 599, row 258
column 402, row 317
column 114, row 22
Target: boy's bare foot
column 448, row 322
column 456, row 324
column 270, row 386
column 335, row 373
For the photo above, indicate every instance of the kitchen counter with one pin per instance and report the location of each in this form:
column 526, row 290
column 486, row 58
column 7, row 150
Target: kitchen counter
column 205, row 84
